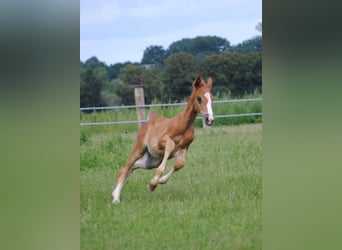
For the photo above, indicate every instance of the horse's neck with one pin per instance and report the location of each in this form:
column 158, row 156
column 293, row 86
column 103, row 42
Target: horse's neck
column 188, row 116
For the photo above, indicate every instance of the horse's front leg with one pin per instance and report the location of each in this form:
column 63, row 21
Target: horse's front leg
column 169, row 147
column 179, row 163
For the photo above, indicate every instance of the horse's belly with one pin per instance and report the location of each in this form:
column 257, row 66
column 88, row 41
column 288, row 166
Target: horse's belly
column 147, row 161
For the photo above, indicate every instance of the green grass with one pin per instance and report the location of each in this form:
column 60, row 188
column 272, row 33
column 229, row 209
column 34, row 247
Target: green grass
column 214, row 202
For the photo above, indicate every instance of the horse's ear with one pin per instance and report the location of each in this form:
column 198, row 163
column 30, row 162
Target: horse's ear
column 209, row 82
column 197, row 83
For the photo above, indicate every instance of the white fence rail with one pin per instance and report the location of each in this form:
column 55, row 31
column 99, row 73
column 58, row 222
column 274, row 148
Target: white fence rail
column 164, row 105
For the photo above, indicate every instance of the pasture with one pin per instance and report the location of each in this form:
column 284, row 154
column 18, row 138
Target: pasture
column 214, row 202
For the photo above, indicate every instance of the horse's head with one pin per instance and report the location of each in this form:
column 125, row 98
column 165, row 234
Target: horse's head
column 202, row 99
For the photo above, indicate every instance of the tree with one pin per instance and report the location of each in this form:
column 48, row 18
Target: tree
column 177, row 77
column 114, row 70
column 205, row 45
column 93, row 62
column 129, row 75
column 154, row 55
column 235, row 69
column 234, row 72
column 249, row 45
column 152, row 79
column 90, row 91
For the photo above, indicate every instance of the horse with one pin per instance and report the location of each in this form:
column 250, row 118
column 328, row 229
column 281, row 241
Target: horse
column 160, row 138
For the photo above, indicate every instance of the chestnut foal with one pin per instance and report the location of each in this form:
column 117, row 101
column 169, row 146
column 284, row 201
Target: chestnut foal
column 160, row 138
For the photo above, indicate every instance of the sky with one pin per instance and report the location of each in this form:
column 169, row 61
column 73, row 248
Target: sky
column 120, row 30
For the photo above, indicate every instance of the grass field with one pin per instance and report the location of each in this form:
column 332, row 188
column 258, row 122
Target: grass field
column 214, row 202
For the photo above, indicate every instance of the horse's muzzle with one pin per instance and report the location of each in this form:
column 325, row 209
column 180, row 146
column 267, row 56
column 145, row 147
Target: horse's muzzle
column 208, row 120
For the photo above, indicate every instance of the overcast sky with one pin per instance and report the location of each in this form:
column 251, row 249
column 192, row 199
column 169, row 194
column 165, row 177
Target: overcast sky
column 120, row 30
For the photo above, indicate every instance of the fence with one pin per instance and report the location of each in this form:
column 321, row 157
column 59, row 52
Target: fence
column 165, row 105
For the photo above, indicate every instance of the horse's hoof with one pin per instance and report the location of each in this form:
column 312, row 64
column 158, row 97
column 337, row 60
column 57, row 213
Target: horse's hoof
column 116, row 201
column 151, row 187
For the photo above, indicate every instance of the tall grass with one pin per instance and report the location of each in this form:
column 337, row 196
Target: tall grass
column 213, row 203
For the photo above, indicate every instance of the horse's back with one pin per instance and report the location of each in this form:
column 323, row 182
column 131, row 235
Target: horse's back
column 156, row 120
column 155, row 125
column 153, row 114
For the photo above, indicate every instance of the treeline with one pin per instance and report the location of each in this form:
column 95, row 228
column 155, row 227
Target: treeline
column 167, row 74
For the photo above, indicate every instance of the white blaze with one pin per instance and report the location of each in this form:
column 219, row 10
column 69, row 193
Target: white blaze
column 210, row 111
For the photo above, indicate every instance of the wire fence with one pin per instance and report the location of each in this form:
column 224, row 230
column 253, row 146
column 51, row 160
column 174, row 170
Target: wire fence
column 164, row 105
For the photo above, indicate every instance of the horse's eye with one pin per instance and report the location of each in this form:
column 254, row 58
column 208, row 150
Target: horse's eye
column 199, row 100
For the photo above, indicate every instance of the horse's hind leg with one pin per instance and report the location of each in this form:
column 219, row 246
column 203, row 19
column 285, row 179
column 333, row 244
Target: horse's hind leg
column 124, row 172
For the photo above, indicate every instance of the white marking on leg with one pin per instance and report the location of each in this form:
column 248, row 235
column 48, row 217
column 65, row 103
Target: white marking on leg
column 210, row 110
column 166, row 177
column 116, row 192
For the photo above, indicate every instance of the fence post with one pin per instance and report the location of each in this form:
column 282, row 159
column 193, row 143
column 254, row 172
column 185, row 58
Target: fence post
column 140, row 101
